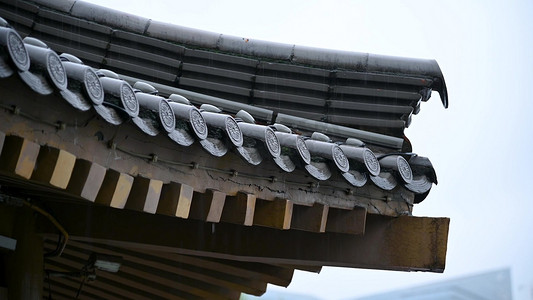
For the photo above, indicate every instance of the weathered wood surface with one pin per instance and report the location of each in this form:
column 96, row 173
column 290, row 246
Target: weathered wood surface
column 144, row 195
column 86, row 179
column 346, row 221
column 239, row 209
column 89, row 138
column 109, row 187
column 275, row 214
column 19, row 156
column 176, row 282
column 186, row 277
column 54, row 166
column 208, row 206
column 115, row 189
column 175, row 200
column 403, row 243
column 182, row 276
column 310, row 218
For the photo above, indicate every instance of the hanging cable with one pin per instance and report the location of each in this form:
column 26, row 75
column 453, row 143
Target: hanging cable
column 56, row 224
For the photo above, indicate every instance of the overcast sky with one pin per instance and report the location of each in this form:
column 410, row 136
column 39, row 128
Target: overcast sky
column 481, row 146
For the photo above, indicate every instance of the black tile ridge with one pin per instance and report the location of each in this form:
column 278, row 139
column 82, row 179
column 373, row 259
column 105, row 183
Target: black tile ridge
column 270, row 117
column 287, row 53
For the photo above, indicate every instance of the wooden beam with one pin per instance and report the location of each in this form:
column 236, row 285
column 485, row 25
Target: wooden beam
column 142, row 270
column 277, row 275
column 2, row 139
column 61, row 291
column 54, row 166
column 69, row 287
column 144, row 194
column 213, row 172
column 310, row 218
column 274, row 214
column 403, row 243
column 185, row 276
column 115, row 282
column 23, row 266
column 115, row 189
column 175, row 200
column 86, row 180
column 207, row 206
column 19, row 156
column 312, row 269
column 346, row 221
column 239, row 209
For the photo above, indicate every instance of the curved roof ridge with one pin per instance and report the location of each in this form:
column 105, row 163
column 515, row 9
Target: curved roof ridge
column 290, row 53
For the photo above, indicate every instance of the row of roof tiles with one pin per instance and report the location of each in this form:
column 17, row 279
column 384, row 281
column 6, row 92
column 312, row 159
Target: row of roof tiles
column 360, row 90
column 116, row 101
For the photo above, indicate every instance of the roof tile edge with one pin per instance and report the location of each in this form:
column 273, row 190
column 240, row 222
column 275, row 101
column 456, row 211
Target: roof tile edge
column 60, row 5
column 110, row 17
column 319, row 57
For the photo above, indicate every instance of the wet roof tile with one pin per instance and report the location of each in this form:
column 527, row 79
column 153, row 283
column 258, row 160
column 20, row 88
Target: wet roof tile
column 287, row 91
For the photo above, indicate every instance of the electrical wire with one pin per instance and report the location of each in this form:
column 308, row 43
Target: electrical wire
column 155, row 159
column 56, row 224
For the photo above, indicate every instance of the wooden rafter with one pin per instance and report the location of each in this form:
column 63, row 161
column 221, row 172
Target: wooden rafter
column 403, row 243
column 125, row 151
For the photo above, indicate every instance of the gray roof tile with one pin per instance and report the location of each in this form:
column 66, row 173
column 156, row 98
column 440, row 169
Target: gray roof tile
column 61, row 5
column 110, row 17
column 287, row 91
column 182, row 35
column 250, row 47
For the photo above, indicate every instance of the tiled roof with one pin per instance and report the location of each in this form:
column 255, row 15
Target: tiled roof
column 116, row 101
column 360, row 90
column 287, row 131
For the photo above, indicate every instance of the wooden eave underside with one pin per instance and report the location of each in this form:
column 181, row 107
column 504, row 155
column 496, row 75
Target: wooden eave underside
column 218, row 234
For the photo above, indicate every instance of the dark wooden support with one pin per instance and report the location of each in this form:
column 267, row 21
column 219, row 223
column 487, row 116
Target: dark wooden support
column 86, row 179
column 61, row 291
column 346, row 221
column 2, row 139
column 136, row 287
column 19, row 156
column 402, row 243
column 274, row 214
column 312, row 269
column 310, row 218
column 144, row 194
column 69, row 288
column 239, row 209
column 277, row 275
column 183, row 276
column 54, row 166
column 25, row 265
column 175, row 200
column 141, row 277
column 133, row 145
column 115, row 189
column 207, row 206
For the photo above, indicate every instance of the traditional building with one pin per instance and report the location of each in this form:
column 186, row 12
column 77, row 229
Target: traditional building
column 140, row 159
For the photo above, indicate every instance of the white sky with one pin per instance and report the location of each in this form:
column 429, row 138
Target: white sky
column 480, row 146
